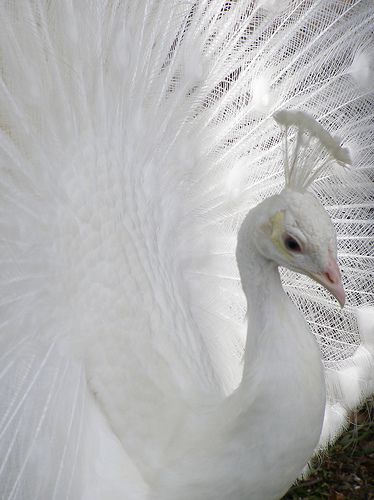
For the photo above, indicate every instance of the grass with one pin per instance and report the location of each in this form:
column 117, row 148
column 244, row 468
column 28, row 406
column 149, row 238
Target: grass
column 346, row 472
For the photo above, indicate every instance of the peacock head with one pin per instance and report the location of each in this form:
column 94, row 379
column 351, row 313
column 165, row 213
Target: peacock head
column 296, row 231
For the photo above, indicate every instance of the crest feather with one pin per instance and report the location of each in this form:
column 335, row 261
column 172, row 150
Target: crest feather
column 309, row 152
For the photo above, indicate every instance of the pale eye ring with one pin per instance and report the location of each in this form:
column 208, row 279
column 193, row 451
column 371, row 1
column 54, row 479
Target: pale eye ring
column 292, row 244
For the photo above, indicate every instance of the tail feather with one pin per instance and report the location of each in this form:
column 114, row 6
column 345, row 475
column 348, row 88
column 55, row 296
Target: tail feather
column 40, row 380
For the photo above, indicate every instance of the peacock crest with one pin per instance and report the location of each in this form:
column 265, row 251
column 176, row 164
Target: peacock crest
column 309, row 152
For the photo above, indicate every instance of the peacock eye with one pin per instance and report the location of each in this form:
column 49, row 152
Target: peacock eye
column 292, row 244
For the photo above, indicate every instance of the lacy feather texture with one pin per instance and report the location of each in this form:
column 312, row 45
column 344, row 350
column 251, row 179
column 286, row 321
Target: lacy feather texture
column 135, row 136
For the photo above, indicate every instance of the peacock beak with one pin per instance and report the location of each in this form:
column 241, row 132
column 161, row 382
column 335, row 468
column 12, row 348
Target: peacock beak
column 331, row 279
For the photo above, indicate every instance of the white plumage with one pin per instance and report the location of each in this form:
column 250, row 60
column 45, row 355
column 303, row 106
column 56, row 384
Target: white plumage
column 135, row 137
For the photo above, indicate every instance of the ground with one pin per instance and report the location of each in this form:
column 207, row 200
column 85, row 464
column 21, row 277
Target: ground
column 347, row 471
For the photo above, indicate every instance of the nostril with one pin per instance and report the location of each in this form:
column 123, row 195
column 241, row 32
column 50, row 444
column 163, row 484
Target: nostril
column 331, row 277
column 332, row 272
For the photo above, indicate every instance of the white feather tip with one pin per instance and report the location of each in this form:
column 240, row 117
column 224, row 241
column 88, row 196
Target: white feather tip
column 309, row 152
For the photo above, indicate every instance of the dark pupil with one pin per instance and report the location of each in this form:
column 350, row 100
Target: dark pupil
column 292, row 244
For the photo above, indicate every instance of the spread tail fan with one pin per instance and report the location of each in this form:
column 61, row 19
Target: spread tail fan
column 134, row 138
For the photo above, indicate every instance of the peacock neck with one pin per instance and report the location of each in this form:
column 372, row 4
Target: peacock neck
column 278, row 337
column 267, row 303
column 281, row 358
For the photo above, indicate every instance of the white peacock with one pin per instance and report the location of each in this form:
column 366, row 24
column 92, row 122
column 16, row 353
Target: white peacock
column 137, row 153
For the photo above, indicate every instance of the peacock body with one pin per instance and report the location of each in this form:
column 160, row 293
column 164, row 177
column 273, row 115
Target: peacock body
column 135, row 137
